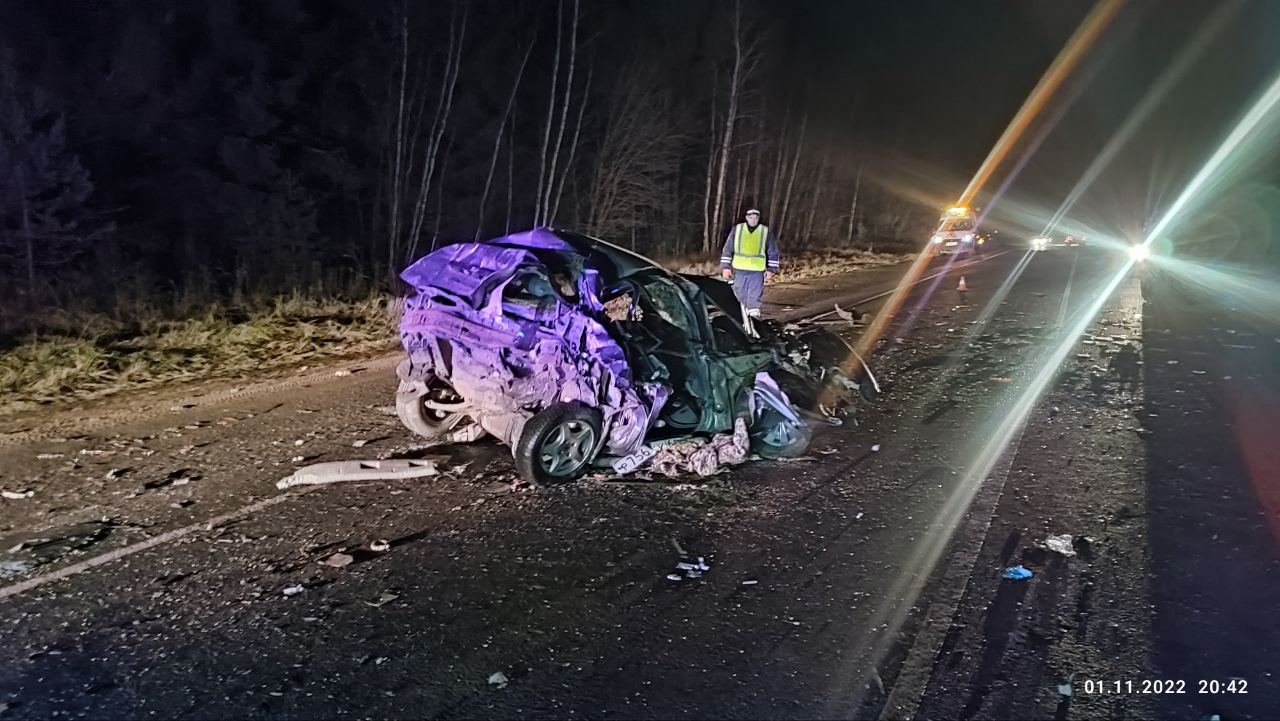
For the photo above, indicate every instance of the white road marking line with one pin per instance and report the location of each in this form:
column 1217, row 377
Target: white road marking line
column 75, row 568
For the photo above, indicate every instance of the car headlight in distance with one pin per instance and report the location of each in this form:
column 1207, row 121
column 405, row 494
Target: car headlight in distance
column 937, row 238
column 1039, row 242
column 1139, row 252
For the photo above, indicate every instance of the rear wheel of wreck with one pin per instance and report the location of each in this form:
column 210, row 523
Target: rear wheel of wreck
column 431, row 408
column 559, row 443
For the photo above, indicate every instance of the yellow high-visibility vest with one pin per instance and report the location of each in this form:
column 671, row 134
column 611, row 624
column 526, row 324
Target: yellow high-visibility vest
column 749, row 247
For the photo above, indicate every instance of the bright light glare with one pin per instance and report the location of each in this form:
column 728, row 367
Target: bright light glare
column 1140, row 252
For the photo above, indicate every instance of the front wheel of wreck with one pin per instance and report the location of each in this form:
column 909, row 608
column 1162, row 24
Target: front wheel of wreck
column 773, row 435
column 559, row 443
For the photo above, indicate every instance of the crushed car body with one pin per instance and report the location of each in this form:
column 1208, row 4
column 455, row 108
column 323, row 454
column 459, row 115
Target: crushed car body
column 575, row 352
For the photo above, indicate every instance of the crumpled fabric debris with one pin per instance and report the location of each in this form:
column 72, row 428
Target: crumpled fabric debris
column 703, row 458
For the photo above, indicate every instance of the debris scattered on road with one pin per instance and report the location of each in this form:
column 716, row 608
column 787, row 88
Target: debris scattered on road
column 1002, row 379
column 1172, row 362
column 498, row 679
column 674, row 577
column 1062, row 544
column 294, row 589
column 339, row 560
column 383, row 600
column 858, row 517
column 48, row 456
column 750, row 583
column 337, row 471
column 796, row 459
column 17, row 495
column 342, row 373
column 299, row 442
column 1017, row 573
column 691, row 570
column 875, row 448
column 379, row 546
column 1064, row 689
column 828, row 451
column 13, row 569
column 297, row 459
column 117, row 472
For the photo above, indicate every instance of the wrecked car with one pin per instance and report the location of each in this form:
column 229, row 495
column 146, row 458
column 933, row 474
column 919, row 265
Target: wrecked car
column 577, row 354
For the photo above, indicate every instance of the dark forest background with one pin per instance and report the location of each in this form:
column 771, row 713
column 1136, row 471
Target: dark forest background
column 171, row 155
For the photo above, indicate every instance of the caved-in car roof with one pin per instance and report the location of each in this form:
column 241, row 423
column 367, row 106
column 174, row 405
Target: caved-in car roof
column 612, row 262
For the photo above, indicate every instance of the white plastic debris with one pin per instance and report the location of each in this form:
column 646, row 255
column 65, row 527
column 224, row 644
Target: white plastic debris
column 379, row 546
column 498, row 679
column 342, row 373
column 339, row 560
column 48, row 456
column 17, row 495
column 337, row 471
column 750, row 583
column 383, row 600
column 875, row 448
column 294, row 589
column 1060, row 544
column 1064, row 689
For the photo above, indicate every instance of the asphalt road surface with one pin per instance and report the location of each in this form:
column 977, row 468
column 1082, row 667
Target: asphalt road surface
column 156, row 571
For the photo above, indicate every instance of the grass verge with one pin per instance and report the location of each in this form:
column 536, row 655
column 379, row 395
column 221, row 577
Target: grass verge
column 101, row 359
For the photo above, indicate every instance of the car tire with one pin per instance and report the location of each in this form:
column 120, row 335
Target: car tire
column 428, row 423
column 774, row 436
column 559, row 443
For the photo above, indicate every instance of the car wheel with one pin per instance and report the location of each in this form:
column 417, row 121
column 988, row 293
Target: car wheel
column 431, row 423
column 773, row 435
column 559, row 443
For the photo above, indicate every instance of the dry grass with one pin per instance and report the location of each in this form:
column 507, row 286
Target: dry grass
column 99, row 359
column 802, row 266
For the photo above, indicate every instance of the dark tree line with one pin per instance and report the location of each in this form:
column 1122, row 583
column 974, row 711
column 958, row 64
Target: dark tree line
column 172, row 154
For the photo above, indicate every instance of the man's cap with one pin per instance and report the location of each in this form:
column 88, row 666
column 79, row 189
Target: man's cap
column 753, row 210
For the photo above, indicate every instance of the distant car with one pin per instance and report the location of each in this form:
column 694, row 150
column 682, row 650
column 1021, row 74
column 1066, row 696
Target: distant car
column 576, row 352
column 957, row 232
column 1073, row 241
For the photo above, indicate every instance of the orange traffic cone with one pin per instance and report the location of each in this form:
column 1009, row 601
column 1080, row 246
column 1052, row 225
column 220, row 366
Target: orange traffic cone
column 962, row 287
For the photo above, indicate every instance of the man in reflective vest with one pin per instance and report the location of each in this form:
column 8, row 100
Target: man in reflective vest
column 750, row 257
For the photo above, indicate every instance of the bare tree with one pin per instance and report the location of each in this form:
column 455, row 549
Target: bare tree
column 551, row 111
column 707, row 226
column 439, row 123
column 853, row 205
column 791, row 179
column 497, row 137
column 744, row 58
column 573, row 145
column 511, row 168
column 544, row 212
column 639, row 151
